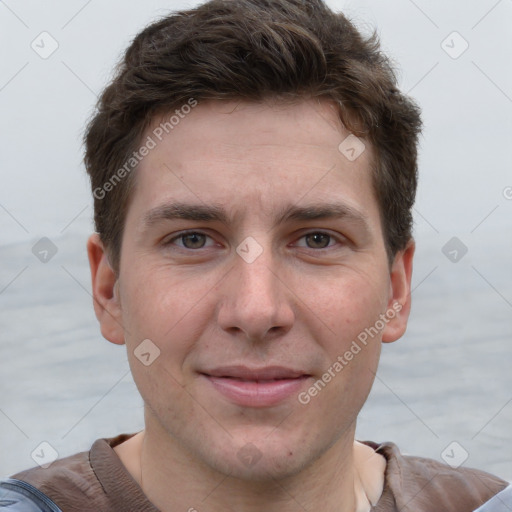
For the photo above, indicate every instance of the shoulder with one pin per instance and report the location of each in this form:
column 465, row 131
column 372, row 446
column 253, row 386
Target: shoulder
column 67, row 479
column 87, row 481
column 19, row 496
column 421, row 484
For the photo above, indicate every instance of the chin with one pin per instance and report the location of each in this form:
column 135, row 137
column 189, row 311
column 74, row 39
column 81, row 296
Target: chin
column 268, row 468
column 267, row 460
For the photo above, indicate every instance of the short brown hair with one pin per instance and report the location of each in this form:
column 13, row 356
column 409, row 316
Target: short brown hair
column 252, row 50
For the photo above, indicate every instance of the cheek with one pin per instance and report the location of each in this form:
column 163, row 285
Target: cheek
column 170, row 315
column 162, row 303
column 352, row 345
column 173, row 310
column 347, row 305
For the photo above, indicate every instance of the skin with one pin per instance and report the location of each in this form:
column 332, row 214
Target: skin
column 298, row 304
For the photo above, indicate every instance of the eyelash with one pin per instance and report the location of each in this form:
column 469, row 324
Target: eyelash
column 309, row 233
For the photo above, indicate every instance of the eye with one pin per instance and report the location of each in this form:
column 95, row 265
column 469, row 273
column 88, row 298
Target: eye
column 317, row 240
column 190, row 240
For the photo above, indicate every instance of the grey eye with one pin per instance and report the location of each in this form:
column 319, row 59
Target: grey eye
column 193, row 240
column 317, row 240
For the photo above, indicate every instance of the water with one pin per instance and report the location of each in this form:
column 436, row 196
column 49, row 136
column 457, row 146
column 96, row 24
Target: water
column 447, row 380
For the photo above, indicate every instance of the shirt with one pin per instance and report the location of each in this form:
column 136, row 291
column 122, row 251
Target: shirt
column 97, row 481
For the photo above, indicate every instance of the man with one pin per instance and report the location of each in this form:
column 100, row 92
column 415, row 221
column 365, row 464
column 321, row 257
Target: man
column 253, row 168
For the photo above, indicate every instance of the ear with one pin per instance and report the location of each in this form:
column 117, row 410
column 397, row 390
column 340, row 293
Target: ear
column 399, row 303
column 105, row 292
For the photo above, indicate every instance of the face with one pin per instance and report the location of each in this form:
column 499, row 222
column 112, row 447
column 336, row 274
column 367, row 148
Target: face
column 253, row 260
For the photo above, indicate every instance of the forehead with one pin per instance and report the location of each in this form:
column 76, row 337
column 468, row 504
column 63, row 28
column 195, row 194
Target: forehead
column 260, row 155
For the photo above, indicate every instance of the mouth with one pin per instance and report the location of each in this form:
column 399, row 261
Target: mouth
column 256, row 387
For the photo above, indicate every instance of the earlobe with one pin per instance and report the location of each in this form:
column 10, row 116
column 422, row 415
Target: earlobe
column 105, row 291
column 399, row 304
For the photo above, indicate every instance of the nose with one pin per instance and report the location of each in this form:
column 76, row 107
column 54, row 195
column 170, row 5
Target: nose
column 257, row 303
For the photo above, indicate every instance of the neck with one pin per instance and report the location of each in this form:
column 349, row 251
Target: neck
column 340, row 480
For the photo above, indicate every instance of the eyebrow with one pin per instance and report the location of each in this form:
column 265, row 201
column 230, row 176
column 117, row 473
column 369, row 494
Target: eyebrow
column 215, row 213
column 194, row 212
column 322, row 211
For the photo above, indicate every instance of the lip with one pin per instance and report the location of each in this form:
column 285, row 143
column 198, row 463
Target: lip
column 256, row 387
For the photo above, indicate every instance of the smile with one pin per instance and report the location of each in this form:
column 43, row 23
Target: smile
column 263, row 387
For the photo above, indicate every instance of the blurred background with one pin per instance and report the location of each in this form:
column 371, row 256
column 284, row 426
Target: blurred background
column 443, row 391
